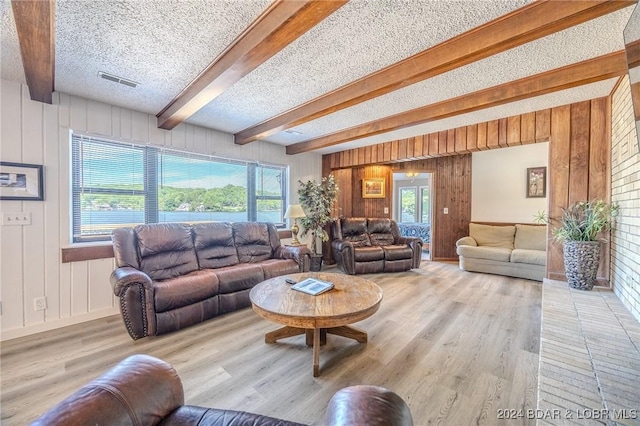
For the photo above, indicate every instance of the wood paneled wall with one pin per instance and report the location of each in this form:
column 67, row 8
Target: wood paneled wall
column 516, row 130
column 452, row 183
column 579, row 168
column 452, row 187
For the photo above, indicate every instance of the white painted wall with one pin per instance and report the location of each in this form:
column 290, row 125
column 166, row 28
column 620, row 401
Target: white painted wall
column 30, row 266
column 498, row 183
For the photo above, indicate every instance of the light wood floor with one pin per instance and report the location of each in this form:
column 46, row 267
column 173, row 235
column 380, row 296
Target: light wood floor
column 457, row 346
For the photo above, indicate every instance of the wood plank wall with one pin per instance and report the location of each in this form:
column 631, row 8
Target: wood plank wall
column 452, row 187
column 579, row 168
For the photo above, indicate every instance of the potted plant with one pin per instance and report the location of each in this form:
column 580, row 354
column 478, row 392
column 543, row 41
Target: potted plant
column 578, row 229
column 317, row 200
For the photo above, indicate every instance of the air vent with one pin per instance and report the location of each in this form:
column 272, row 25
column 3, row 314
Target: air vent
column 117, row 79
column 293, row 132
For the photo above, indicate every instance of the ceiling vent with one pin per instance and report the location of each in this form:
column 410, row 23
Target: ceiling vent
column 293, row 132
column 117, row 79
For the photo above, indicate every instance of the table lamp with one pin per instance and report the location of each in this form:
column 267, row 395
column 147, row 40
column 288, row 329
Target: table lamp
column 294, row 211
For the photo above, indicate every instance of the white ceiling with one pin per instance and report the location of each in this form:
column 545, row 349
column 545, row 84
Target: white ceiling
column 165, row 44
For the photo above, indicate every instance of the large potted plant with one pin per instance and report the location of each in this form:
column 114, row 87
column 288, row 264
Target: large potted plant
column 317, row 200
column 579, row 230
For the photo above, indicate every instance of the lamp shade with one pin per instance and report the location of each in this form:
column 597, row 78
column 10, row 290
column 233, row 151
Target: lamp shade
column 294, row 211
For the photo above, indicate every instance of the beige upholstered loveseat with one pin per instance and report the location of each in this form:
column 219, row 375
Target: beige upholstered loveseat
column 512, row 250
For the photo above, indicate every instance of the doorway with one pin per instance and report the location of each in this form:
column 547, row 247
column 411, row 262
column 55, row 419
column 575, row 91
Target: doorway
column 413, row 206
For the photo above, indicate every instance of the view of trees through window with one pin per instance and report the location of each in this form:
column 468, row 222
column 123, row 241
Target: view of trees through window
column 122, row 184
column 414, row 208
column 408, row 204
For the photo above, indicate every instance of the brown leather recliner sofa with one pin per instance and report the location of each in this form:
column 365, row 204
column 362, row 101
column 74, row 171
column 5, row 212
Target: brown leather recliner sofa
column 143, row 390
column 368, row 245
column 170, row 275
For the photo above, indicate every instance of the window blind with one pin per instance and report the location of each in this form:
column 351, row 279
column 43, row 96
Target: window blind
column 118, row 184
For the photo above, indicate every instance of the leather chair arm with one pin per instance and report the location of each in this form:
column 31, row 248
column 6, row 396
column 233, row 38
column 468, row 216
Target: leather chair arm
column 416, row 246
column 413, row 242
column 342, row 246
column 121, row 278
column 140, row 390
column 466, row 241
column 367, row 405
column 344, row 255
column 301, row 254
column 136, row 293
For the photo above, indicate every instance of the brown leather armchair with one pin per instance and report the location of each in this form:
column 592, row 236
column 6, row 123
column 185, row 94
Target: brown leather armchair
column 369, row 245
column 143, row 390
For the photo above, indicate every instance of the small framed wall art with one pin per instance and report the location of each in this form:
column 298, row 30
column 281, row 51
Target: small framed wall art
column 21, row 182
column 373, row 188
column 536, row 182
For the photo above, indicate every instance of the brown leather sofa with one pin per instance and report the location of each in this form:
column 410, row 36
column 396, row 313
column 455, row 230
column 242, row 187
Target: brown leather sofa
column 170, row 275
column 143, row 390
column 368, row 245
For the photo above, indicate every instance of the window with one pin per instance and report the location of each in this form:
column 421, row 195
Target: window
column 425, row 207
column 117, row 184
column 408, row 204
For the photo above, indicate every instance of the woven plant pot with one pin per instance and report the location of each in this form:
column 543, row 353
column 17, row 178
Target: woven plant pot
column 316, row 263
column 581, row 261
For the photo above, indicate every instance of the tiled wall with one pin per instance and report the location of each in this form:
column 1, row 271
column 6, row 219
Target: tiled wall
column 625, row 190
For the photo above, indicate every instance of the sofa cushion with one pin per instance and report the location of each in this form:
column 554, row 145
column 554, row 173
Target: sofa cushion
column 276, row 267
column 238, row 277
column 493, row 235
column 252, row 241
column 380, row 232
column 368, row 254
column 195, row 415
column 397, row 252
column 125, row 247
column 354, row 230
column 533, row 257
column 397, row 265
column 166, row 250
column 214, row 244
column 491, row 253
column 184, row 290
column 531, row 237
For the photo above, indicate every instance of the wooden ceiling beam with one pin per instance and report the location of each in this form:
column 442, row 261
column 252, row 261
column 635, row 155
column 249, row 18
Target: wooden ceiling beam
column 35, row 25
column 279, row 25
column 585, row 72
column 528, row 23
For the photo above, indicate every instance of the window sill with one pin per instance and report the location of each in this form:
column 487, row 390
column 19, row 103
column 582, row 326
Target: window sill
column 104, row 250
column 87, row 251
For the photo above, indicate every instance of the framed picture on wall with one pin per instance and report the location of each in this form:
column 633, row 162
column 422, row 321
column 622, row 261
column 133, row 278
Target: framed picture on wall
column 21, row 182
column 373, row 188
column 536, row 182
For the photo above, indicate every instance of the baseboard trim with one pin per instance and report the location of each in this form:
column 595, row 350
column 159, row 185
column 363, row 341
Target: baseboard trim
column 52, row 325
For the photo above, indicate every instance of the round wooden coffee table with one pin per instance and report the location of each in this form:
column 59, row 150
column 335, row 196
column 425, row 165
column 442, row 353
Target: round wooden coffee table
column 351, row 300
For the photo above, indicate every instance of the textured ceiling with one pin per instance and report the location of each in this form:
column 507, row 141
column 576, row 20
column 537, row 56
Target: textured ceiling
column 164, row 45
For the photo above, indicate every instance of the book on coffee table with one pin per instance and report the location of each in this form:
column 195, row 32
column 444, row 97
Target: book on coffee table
column 313, row 286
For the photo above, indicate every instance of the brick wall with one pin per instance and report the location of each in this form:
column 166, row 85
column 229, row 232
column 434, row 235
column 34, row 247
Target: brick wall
column 625, row 190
